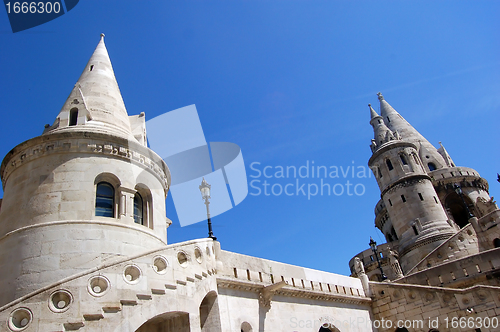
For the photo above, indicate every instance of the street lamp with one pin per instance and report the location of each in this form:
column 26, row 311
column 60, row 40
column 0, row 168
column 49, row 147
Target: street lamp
column 205, row 194
column 373, row 246
column 460, row 193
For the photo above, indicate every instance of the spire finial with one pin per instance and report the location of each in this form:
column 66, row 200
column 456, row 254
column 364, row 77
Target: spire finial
column 102, row 36
column 380, row 97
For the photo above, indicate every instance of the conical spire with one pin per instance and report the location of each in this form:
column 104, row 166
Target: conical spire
column 373, row 114
column 95, row 100
column 395, row 122
column 382, row 134
column 446, row 156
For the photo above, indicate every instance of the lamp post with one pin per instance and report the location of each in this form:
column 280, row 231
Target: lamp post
column 205, row 194
column 373, row 246
column 460, row 193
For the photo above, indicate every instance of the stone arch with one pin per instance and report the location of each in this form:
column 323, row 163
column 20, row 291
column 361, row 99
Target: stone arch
column 209, row 313
column 108, row 177
column 246, row 327
column 496, row 243
column 328, row 327
column 454, row 204
column 177, row 321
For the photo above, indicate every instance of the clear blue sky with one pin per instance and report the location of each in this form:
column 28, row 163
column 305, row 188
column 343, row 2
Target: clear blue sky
column 289, row 82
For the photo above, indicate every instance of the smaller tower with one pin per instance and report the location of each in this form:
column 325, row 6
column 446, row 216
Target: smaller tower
column 418, row 219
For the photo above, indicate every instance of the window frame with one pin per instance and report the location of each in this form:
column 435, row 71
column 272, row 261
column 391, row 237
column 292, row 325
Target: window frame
column 102, row 197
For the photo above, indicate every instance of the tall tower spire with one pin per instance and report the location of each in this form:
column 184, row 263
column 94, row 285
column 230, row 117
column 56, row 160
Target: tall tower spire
column 419, row 221
column 430, row 156
column 95, row 100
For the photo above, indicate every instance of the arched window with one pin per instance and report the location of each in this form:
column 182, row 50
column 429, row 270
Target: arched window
column 455, row 205
column 105, row 200
column 393, row 232
column 496, row 243
column 432, row 166
column 73, row 116
column 138, row 209
column 389, row 164
column 403, row 159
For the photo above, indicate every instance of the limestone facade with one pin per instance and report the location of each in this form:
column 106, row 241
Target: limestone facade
column 83, row 240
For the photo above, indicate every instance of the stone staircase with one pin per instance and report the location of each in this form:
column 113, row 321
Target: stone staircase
column 121, row 295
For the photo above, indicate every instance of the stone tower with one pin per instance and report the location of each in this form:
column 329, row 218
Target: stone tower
column 83, row 243
column 441, row 226
column 426, row 201
column 86, row 191
column 417, row 218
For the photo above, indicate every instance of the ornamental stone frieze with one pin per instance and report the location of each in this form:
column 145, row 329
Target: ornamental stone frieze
column 80, row 143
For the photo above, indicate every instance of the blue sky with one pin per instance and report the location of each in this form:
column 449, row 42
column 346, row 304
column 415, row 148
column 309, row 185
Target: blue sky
column 289, row 82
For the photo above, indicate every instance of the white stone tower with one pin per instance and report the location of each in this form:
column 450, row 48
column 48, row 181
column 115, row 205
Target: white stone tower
column 86, row 191
column 417, row 217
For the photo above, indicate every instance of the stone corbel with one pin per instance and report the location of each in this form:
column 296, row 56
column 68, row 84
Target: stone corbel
column 266, row 293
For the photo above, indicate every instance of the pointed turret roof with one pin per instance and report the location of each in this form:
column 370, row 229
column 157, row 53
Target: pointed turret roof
column 397, row 123
column 382, row 134
column 446, row 156
column 96, row 99
column 373, row 114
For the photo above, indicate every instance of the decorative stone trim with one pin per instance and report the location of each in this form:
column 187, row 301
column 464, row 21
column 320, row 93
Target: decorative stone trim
column 82, row 142
column 60, row 300
column 160, row 264
column 132, row 274
column 288, row 291
column 19, row 319
column 424, row 242
column 98, row 285
column 407, row 181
